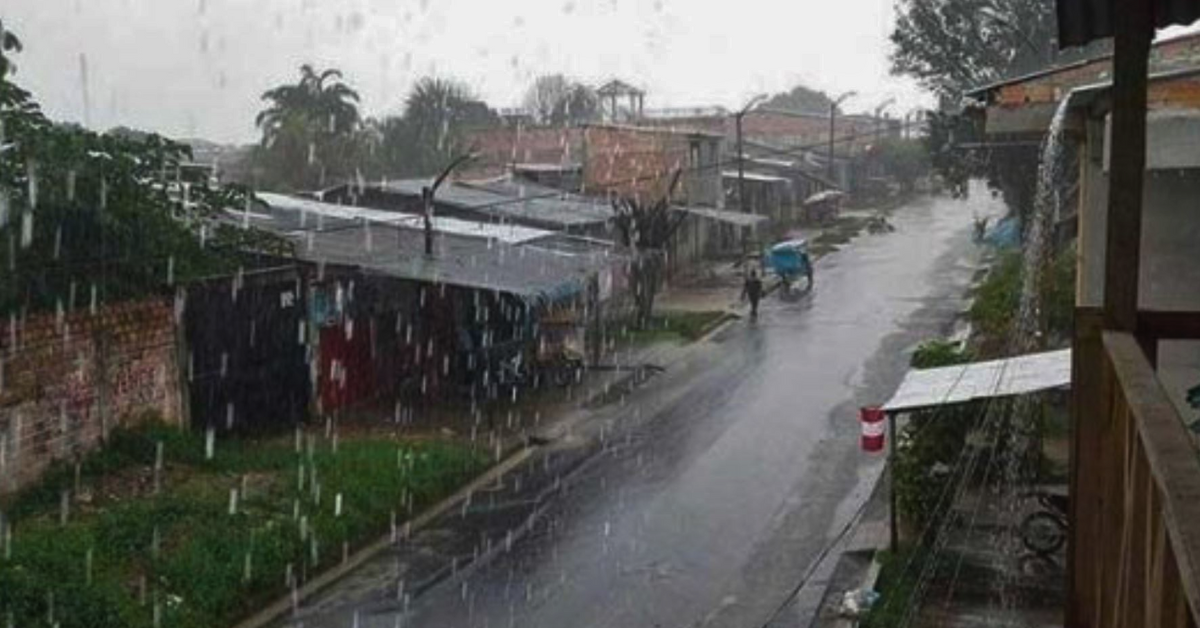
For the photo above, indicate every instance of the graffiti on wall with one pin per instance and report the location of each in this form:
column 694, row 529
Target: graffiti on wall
column 136, row 384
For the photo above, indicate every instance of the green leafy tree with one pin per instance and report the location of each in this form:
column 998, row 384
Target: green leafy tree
column 88, row 217
column 950, row 46
column 929, row 445
column 800, row 99
column 647, row 229
column 905, row 159
column 437, row 113
column 946, row 133
column 556, row 100
column 8, row 43
column 308, row 129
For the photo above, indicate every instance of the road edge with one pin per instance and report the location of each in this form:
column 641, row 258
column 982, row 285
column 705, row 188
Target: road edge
column 283, row 604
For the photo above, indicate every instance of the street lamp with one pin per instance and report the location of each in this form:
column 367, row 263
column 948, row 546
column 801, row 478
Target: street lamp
column 427, row 193
column 737, row 117
column 833, row 106
column 878, row 110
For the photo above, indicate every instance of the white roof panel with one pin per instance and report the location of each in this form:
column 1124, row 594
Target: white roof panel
column 925, row 388
column 738, row 219
column 507, row 233
column 755, row 176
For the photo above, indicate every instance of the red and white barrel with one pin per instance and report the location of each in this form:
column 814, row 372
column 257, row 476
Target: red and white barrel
column 872, row 419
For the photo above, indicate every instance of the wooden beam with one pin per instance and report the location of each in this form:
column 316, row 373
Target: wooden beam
column 1163, row 325
column 1088, row 406
column 1132, row 33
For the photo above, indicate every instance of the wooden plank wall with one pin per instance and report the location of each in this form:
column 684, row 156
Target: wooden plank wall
column 1136, row 517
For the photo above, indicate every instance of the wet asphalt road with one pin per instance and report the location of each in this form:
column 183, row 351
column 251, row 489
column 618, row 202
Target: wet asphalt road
column 719, row 482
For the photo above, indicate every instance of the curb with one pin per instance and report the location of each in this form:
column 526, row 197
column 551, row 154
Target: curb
column 723, row 321
column 288, row 601
column 868, row 582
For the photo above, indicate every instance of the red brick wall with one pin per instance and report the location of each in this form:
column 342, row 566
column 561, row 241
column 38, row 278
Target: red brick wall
column 66, row 381
column 1052, row 87
column 501, row 147
column 632, row 163
column 810, row 130
column 780, row 130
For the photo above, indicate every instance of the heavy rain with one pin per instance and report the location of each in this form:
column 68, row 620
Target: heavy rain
column 599, row 313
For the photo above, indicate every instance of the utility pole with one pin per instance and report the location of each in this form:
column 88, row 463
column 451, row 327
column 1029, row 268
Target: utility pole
column 427, row 193
column 741, row 158
column 741, row 162
column 833, row 106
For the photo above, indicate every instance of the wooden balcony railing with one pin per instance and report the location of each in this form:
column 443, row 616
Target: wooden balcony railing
column 1135, row 555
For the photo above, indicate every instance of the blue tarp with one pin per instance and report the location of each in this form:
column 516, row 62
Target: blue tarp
column 1006, row 233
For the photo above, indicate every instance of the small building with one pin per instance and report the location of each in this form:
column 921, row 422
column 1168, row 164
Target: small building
column 767, row 195
column 807, row 176
column 641, row 163
column 801, row 137
column 392, row 325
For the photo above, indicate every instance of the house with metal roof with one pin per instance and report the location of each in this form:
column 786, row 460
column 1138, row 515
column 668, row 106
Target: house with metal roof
column 496, row 201
column 523, row 261
column 390, row 322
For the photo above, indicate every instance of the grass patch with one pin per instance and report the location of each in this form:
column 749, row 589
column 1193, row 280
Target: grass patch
column 127, row 554
column 895, row 586
column 998, row 297
column 840, row 232
column 674, row 327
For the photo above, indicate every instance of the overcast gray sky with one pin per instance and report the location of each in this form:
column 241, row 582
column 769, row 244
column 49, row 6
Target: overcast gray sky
column 198, row 67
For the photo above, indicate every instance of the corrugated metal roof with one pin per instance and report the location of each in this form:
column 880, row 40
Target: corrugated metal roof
column 1082, row 21
column 927, row 388
column 550, row 269
column 515, row 202
column 720, row 215
column 548, row 167
column 308, row 212
column 755, row 176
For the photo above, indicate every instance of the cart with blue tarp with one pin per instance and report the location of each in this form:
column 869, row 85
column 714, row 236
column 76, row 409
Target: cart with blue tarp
column 789, row 261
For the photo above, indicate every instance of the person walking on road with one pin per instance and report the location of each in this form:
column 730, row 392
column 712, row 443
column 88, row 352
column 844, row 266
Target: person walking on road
column 752, row 290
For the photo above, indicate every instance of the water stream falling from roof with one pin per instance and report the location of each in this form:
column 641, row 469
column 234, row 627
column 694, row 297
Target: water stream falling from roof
column 1021, row 431
column 1009, row 427
column 1053, row 176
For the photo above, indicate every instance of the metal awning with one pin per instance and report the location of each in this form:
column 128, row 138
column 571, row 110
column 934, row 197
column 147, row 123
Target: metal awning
column 947, row 385
column 824, row 197
column 309, row 211
column 737, row 219
column 757, row 177
column 1081, row 21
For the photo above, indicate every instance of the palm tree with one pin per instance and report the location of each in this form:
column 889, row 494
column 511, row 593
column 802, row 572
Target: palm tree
column 8, row 43
column 323, row 99
column 307, row 125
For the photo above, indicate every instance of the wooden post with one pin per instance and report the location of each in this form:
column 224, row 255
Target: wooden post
column 894, row 540
column 1089, row 409
column 427, row 212
column 1132, row 32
